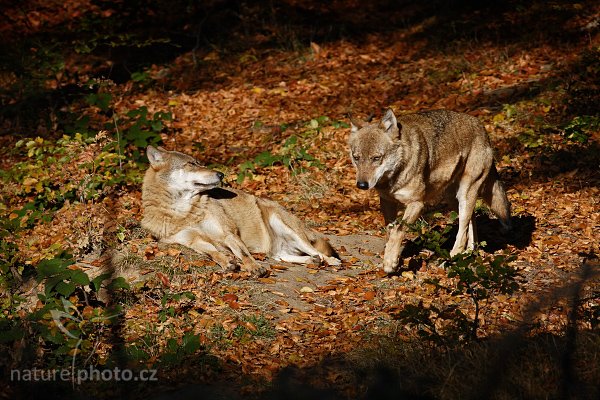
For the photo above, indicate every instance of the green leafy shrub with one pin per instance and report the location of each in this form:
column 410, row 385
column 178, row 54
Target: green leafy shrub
column 132, row 130
column 168, row 308
column 177, row 349
column 474, row 275
column 432, row 239
column 65, row 323
column 71, row 168
column 142, row 128
column 292, row 155
column 580, row 128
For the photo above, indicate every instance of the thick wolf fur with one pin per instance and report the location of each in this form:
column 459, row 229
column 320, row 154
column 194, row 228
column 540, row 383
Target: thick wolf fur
column 184, row 204
column 426, row 159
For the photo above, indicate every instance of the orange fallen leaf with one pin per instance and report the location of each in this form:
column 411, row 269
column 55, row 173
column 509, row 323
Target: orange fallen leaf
column 369, row 295
column 229, row 297
column 163, row 279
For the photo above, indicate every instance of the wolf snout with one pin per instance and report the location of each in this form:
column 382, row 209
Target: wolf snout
column 362, row 185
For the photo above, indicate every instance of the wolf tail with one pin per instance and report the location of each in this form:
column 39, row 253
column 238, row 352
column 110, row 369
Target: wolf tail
column 494, row 195
column 324, row 247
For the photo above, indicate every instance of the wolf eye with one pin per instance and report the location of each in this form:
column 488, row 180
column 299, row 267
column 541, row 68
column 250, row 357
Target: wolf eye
column 376, row 158
column 356, row 158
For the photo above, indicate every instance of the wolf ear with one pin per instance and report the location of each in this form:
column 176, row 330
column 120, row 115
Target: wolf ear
column 155, row 156
column 355, row 125
column 389, row 123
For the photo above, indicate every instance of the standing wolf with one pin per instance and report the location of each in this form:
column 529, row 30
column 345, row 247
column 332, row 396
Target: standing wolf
column 183, row 204
column 427, row 158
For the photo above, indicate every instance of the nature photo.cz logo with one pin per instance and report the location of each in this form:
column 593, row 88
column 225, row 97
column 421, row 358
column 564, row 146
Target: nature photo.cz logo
column 83, row 375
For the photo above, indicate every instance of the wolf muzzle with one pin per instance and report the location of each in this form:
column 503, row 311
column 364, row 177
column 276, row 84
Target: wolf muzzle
column 362, row 185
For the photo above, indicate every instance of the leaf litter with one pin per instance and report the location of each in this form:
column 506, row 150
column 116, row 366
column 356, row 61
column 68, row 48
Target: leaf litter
column 319, row 311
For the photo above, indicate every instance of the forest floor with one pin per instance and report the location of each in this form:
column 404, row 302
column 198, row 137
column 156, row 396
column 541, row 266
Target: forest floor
column 272, row 113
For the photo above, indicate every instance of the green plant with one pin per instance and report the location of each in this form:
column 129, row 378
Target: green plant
column 141, row 128
column 140, row 77
column 95, row 39
column 64, row 327
column 433, row 239
column 293, row 152
column 177, row 349
column 132, row 130
column 530, row 139
column 101, row 100
column 61, row 278
column 473, row 275
column 58, row 278
column 70, row 168
column 580, row 128
column 11, row 265
column 169, row 302
column 291, row 155
column 78, row 329
column 480, row 276
column 67, row 322
column 12, row 272
column 253, row 326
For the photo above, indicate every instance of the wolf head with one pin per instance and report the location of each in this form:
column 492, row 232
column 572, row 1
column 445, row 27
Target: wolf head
column 181, row 172
column 374, row 149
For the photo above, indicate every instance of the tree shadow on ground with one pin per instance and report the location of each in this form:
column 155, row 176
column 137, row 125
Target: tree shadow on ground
column 516, row 364
column 557, row 155
column 490, row 231
column 471, row 22
column 137, row 34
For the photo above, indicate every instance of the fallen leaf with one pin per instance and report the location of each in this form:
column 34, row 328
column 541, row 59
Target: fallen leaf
column 369, row 295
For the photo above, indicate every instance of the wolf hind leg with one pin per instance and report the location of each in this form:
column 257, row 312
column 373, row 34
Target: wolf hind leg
column 293, row 246
column 472, row 234
column 494, row 195
column 467, row 197
column 298, row 259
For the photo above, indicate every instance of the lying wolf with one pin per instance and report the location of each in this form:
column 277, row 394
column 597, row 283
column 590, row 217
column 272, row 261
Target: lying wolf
column 427, row 158
column 184, row 204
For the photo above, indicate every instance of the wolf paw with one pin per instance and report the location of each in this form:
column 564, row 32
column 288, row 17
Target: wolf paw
column 257, row 270
column 333, row 261
column 261, row 271
column 389, row 267
column 232, row 265
column 454, row 252
column 316, row 259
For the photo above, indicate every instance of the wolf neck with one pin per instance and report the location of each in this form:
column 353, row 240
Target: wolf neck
column 183, row 202
column 166, row 211
column 394, row 173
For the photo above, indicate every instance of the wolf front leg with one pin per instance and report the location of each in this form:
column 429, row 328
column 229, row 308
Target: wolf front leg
column 201, row 243
column 239, row 249
column 394, row 247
